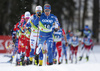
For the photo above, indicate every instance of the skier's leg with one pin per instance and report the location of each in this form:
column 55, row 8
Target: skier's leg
column 59, row 48
column 54, row 52
column 50, row 54
column 14, row 50
column 81, row 56
column 41, row 58
column 72, row 52
column 27, row 51
column 39, row 50
column 66, row 54
column 33, row 46
column 88, row 52
column 18, row 53
column 76, row 49
column 62, row 53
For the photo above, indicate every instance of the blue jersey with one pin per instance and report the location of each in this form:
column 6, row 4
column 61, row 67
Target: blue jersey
column 46, row 24
column 58, row 35
column 74, row 43
column 87, row 41
column 33, row 22
column 87, row 33
column 68, row 37
column 34, row 19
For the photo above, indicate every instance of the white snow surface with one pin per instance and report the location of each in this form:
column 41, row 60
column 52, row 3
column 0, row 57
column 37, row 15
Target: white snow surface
column 92, row 65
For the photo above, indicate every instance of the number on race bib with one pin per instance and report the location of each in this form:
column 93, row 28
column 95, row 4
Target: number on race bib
column 57, row 36
column 47, row 26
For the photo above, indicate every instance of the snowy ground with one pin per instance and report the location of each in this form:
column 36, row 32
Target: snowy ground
column 92, row 65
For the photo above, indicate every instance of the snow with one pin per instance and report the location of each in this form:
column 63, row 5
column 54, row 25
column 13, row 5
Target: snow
column 92, row 65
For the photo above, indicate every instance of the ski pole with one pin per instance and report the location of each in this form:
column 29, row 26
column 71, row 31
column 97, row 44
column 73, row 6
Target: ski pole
column 94, row 56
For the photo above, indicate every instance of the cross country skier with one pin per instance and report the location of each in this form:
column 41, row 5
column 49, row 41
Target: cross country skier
column 46, row 23
column 87, row 32
column 64, row 50
column 58, row 33
column 54, row 52
column 69, row 37
column 33, row 23
column 74, row 47
column 27, row 39
column 15, row 38
column 87, row 45
column 22, row 42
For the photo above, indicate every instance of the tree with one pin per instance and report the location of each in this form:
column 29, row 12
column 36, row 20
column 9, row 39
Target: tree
column 84, row 13
column 79, row 14
column 96, row 19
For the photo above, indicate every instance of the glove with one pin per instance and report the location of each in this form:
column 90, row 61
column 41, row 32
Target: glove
column 82, row 47
column 29, row 28
column 44, row 51
column 14, row 40
column 39, row 14
column 66, row 44
column 55, row 30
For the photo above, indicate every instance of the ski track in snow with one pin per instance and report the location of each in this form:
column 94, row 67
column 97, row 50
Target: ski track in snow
column 92, row 65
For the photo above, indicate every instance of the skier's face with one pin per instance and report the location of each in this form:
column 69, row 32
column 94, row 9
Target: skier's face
column 71, row 34
column 74, row 38
column 22, row 20
column 86, row 29
column 37, row 12
column 47, row 12
column 27, row 18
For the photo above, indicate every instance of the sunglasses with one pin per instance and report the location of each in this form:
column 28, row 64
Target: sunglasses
column 27, row 17
column 47, row 10
column 38, row 12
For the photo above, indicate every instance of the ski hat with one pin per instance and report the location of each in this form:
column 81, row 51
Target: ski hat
column 69, row 31
column 38, row 8
column 86, row 27
column 47, row 6
column 22, row 16
column 27, row 14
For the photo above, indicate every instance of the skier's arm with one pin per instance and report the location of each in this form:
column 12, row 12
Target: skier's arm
column 64, row 36
column 63, row 32
column 55, row 24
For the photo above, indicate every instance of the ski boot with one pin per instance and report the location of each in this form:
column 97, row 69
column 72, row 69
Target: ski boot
column 59, row 62
column 54, row 61
column 27, row 62
column 75, row 61
column 50, row 63
column 87, row 58
column 66, row 61
column 36, row 59
column 22, row 57
column 18, row 63
column 80, row 58
column 69, row 57
column 31, row 60
column 10, row 61
column 47, row 61
column 71, row 60
column 40, row 62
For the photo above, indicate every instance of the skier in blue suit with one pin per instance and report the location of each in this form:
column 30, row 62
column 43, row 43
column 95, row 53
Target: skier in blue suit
column 46, row 25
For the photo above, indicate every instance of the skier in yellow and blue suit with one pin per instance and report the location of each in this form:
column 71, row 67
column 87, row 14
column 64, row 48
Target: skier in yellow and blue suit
column 46, row 24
